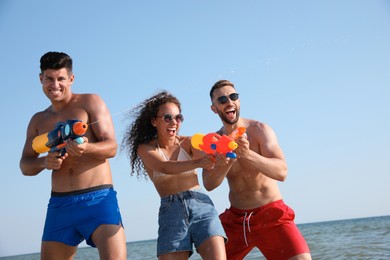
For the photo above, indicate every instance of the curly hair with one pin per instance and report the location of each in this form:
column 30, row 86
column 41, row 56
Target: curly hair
column 141, row 130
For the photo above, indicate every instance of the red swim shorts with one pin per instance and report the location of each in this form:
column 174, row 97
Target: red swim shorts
column 270, row 228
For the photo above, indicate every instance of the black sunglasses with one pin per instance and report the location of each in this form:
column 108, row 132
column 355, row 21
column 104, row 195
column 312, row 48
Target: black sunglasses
column 224, row 99
column 168, row 118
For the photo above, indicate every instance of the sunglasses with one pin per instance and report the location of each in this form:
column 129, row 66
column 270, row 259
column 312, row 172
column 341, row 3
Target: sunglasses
column 224, row 99
column 168, row 118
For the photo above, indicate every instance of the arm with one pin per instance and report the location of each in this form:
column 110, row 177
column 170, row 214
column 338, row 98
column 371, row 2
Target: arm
column 102, row 143
column 30, row 164
column 213, row 177
column 152, row 159
column 268, row 157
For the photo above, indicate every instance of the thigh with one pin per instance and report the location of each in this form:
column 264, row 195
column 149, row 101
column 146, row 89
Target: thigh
column 110, row 241
column 237, row 246
column 213, row 248
column 59, row 225
column 283, row 241
column 102, row 209
column 281, row 237
column 57, row 250
column 204, row 221
column 173, row 232
column 175, row 256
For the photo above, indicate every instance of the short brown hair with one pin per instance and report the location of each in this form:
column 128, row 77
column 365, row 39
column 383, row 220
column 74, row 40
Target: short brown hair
column 219, row 84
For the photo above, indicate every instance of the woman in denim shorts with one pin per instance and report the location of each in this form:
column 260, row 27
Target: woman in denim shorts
column 187, row 217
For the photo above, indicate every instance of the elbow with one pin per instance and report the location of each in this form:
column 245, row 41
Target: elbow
column 208, row 186
column 27, row 172
column 31, row 167
column 282, row 176
column 112, row 152
column 23, row 169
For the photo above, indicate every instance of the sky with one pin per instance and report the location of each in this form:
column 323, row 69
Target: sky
column 317, row 72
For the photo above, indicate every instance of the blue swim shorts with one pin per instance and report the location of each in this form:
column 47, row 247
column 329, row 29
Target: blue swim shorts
column 73, row 216
column 186, row 218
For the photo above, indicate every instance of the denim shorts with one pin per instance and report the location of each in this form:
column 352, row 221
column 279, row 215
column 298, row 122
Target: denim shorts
column 185, row 219
column 73, row 216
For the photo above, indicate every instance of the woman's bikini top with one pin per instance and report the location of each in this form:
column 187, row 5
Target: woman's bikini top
column 182, row 156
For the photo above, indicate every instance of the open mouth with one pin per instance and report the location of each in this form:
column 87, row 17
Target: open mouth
column 171, row 131
column 230, row 113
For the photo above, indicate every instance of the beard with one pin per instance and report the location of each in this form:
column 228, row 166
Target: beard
column 227, row 120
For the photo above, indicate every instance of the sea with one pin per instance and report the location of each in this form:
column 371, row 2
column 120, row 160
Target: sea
column 363, row 238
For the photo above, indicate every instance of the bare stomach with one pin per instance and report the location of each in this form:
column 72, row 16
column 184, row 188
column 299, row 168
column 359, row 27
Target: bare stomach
column 175, row 183
column 254, row 194
column 72, row 177
column 251, row 200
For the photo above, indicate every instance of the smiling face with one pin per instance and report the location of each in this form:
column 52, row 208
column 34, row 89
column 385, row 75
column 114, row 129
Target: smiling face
column 56, row 84
column 165, row 127
column 229, row 112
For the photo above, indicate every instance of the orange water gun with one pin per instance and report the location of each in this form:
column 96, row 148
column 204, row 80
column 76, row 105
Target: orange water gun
column 214, row 143
column 239, row 131
column 55, row 140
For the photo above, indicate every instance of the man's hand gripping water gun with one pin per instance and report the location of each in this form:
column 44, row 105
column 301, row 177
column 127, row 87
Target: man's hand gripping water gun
column 214, row 143
column 55, row 140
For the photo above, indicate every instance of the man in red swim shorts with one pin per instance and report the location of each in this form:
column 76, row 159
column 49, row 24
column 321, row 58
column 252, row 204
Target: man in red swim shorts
column 270, row 228
column 258, row 216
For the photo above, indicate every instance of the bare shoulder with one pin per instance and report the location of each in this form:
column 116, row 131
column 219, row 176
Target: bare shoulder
column 94, row 106
column 185, row 141
column 35, row 122
column 259, row 130
column 41, row 119
column 142, row 148
column 256, row 126
column 88, row 98
column 39, row 115
column 251, row 123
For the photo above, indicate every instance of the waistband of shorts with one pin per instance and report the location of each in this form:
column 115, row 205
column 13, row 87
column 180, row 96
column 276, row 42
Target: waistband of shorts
column 255, row 210
column 183, row 195
column 83, row 191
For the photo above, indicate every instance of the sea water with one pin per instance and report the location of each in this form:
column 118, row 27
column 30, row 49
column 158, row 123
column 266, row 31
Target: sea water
column 364, row 238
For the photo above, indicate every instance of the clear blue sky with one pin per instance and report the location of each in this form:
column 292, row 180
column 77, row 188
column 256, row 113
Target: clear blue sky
column 315, row 71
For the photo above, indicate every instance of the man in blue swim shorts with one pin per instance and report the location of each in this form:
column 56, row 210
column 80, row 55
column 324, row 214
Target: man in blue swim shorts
column 74, row 216
column 83, row 203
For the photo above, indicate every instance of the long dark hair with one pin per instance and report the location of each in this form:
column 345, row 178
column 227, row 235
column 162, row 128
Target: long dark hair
column 141, row 130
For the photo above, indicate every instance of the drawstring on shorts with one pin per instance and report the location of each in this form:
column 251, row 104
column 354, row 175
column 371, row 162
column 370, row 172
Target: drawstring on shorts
column 248, row 224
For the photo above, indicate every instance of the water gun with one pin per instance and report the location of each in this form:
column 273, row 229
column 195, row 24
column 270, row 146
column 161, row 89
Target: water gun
column 239, row 131
column 55, row 140
column 213, row 142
